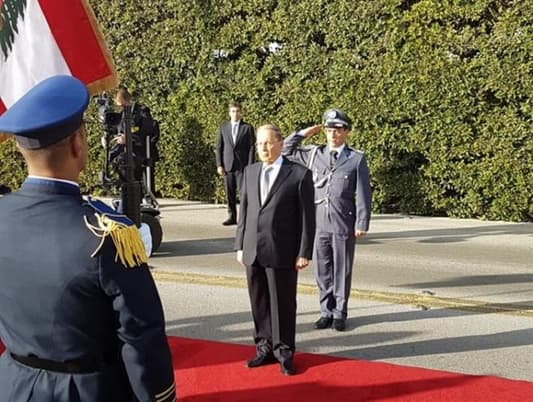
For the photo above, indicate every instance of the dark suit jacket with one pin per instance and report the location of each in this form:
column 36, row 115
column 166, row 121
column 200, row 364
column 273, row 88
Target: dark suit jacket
column 284, row 227
column 235, row 156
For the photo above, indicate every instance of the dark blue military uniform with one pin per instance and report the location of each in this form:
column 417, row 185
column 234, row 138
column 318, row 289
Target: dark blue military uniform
column 77, row 322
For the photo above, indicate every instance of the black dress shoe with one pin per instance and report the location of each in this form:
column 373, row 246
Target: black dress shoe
column 261, row 360
column 323, row 322
column 229, row 221
column 287, row 367
column 338, row 324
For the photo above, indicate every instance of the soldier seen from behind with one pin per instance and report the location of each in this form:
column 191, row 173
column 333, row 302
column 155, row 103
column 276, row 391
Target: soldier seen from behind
column 80, row 315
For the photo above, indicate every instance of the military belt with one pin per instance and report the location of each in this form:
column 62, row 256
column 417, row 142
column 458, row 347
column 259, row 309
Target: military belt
column 76, row 366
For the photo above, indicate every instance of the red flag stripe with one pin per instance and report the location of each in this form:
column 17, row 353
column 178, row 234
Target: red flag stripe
column 71, row 25
column 3, row 137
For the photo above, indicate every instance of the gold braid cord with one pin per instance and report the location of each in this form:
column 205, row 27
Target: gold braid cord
column 127, row 240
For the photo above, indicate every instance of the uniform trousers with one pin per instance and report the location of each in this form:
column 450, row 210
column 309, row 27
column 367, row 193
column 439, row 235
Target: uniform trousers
column 334, row 256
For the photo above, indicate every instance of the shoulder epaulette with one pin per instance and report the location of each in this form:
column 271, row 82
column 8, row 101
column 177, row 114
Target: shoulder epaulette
column 123, row 232
column 358, row 151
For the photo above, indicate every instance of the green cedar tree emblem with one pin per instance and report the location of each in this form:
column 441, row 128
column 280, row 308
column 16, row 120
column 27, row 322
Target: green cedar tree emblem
column 10, row 10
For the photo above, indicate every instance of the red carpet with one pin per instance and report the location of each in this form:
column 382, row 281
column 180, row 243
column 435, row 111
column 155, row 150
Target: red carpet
column 214, row 371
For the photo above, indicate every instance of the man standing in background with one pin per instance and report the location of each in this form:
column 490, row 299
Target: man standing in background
column 343, row 199
column 234, row 151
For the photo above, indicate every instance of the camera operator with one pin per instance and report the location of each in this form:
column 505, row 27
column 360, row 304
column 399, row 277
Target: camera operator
column 143, row 125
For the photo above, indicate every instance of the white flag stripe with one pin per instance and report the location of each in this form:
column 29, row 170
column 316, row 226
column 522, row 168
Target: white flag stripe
column 34, row 56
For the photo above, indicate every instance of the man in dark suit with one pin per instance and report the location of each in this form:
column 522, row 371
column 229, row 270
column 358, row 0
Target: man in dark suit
column 80, row 315
column 343, row 199
column 234, row 151
column 274, row 240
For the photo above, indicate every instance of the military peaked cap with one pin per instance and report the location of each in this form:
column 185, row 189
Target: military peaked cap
column 336, row 118
column 47, row 113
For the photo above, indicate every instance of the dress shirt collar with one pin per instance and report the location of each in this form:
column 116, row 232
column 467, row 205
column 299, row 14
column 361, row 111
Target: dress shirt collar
column 47, row 185
column 276, row 164
column 338, row 149
column 72, row 183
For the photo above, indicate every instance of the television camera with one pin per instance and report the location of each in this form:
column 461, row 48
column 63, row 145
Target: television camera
column 127, row 171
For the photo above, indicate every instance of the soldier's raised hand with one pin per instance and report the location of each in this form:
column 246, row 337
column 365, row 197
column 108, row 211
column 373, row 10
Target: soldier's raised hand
column 310, row 131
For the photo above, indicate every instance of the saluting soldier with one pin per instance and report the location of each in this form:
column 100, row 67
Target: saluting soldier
column 343, row 201
column 80, row 315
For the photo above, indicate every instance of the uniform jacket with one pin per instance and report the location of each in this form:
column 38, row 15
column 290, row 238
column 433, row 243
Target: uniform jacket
column 342, row 194
column 284, row 227
column 59, row 303
column 235, row 156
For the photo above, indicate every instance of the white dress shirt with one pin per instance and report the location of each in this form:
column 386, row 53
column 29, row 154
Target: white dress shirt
column 276, row 166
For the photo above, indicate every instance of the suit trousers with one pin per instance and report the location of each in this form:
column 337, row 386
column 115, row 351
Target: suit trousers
column 232, row 184
column 334, row 256
column 273, row 301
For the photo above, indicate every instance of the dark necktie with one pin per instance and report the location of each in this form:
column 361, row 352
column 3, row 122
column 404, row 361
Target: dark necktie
column 332, row 159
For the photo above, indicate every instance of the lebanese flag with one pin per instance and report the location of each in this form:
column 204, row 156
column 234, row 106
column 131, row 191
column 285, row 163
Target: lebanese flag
column 41, row 38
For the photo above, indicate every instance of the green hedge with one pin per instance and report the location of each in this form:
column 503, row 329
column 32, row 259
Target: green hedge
column 439, row 91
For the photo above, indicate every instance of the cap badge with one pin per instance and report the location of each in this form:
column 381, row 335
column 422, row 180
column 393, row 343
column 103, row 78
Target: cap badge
column 331, row 114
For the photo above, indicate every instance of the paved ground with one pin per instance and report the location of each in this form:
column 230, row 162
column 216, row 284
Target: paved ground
column 438, row 293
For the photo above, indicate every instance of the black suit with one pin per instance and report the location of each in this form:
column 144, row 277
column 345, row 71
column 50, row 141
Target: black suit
column 234, row 157
column 272, row 236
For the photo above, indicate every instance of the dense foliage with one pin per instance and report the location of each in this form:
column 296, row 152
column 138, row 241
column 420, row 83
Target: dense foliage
column 440, row 91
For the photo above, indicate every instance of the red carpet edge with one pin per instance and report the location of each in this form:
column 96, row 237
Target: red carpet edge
column 210, row 371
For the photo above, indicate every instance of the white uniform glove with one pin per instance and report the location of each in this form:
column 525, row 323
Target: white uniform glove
column 146, row 237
